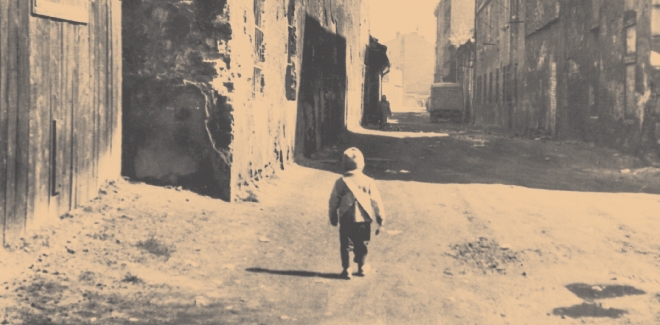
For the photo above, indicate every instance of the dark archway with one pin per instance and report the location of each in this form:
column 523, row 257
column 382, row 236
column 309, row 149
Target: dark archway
column 322, row 94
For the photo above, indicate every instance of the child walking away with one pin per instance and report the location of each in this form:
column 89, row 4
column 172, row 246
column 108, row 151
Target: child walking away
column 355, row 202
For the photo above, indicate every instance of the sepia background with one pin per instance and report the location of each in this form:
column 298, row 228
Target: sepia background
column 171, row 161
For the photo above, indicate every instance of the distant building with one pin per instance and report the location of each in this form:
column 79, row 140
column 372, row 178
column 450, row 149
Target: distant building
column 414, row 56
column 455, row 26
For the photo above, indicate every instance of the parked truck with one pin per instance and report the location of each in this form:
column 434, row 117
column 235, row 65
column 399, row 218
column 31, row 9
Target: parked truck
column 446, row 102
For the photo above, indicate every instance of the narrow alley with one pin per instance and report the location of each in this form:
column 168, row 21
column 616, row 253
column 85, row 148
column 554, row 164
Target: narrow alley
column 483, row 228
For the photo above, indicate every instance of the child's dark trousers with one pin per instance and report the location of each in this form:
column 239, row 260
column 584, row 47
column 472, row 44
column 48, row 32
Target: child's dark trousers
column 354, row 236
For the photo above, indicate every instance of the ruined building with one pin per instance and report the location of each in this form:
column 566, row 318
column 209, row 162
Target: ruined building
column 60, row 99
column 580, row 70
column 222, row 93
column 413, row 55
column 454, row 27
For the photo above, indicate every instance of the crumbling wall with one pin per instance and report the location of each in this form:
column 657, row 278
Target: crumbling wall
column 213, row 89
column 177, row 117
column 629, row 118
column 266, row 112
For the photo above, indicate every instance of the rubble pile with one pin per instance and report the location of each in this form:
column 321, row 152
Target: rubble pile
column 486, row 255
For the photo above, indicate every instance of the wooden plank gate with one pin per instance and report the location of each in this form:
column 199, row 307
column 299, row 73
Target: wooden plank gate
column 60, row 107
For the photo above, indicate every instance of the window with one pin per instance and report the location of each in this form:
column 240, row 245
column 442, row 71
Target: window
column 259, row 51
column 448, row 17
column 291, row 81
column 479, row 89
column 515, row 84
column 631, row 40
column 514, row 10
column 497, row 85
column 631, row 105
column 485, row 93
column 630, row 30
column 490, row 87
column 506, row 84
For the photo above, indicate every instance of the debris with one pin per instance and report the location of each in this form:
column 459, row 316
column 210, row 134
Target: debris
column 524, row 274
column 284, row 317
column 179, row 188
column 69, row 250
column 625, row 171
column 403, row 171
column 264, row 239
column 201, row 301
column 389, row 171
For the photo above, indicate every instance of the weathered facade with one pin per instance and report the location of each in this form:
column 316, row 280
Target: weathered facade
column 500, row 62
column 454, row 27
column 60, row 94
column 585, row 69
column 465, row 58
column 222, row 93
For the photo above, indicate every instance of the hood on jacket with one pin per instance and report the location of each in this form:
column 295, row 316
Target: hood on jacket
column 353, row 160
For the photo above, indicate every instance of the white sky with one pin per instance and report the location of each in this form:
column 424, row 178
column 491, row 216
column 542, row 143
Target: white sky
column 405, row 16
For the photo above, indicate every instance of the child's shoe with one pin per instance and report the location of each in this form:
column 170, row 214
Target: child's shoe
column 345, row 274
column 361, row 271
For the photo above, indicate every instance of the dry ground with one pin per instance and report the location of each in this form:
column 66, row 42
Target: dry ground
column 483, row 228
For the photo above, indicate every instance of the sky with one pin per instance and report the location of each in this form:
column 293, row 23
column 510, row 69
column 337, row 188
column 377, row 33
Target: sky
column 405, row 16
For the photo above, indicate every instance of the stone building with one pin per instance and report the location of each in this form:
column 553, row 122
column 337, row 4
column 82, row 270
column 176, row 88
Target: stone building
column 500, row 61
column 584, row 70
column 222, row 93
column 414, row 56
column 464, row 62
column 455, row 26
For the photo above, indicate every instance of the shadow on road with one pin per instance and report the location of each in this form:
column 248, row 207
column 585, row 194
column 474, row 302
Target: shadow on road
column 414, row 149
column 307, row 274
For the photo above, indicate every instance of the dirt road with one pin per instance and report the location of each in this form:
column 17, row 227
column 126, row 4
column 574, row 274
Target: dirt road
column 483, row 228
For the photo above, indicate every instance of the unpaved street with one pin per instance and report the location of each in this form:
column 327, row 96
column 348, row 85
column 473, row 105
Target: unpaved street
column 483, row 228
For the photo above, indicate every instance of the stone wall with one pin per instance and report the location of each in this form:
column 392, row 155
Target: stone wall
column 322, row 44
column 222, row 93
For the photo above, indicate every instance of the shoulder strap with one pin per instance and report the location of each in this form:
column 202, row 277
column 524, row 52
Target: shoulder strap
column 362, row 197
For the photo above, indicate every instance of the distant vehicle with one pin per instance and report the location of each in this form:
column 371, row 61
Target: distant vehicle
column 446, row 102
